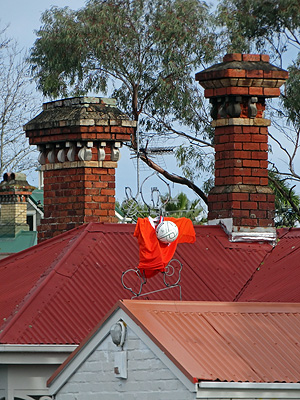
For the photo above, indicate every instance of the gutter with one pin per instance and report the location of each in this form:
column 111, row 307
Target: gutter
column 17, row 354
column 246, row 390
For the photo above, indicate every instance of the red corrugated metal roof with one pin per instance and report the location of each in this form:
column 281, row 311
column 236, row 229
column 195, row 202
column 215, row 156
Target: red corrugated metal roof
column 57, row 291
column 278, row 277
column 240, row 342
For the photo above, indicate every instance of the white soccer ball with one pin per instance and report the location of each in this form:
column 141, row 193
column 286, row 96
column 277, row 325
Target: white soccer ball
column 167, row 231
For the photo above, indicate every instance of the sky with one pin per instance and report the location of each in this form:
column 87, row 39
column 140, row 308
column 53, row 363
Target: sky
column 23, row 19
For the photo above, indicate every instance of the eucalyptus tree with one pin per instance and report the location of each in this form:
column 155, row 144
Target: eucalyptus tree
column 142, row 52
column 272, row 26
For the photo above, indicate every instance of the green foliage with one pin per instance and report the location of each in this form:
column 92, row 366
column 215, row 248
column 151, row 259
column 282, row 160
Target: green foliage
column 181, row 206
column 148, row 49
column 291, row 98
column 263, row 23
column 285, row 215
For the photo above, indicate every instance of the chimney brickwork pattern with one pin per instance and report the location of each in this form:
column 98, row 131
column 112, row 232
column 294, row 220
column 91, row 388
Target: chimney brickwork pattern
column 79, row 140
column 237, row 89
column 14, row 191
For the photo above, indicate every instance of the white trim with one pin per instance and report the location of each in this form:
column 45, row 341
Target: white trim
column 245, row 234
column 99, row 336
column 246, row 390
column 34, row 354
column 32, row 203
column 37, row 348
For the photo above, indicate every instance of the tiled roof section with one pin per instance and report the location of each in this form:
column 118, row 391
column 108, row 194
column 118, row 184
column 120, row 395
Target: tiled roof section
column 239, row 342
column 278, row 277
column 57, row 291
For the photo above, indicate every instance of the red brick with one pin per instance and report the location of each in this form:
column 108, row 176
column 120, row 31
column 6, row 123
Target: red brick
column 264, row 181
column 240, row 172
column 232, row 57
column 234, row 73
column 271, row 198
column 249, row 222
column 249, row 205
column 251, row 180
column 258, row 214
column 265, row 206
column 220, row 91
column 265, row 57
column 255, row 73
column 266, row 222
column 255, row 91
column 233, row 180
column 264, row 146
column 221, row 139
column 260, row 138
column 235, row 90
column 219, row 181
column 108, row 192
column 251, row 146
column 251, row 163
column 258, row 197
column 251, row 57
column 238, row 196
column 209, row 93
column 241, row 138
column 260, row 172
column 271, row 92
column 233, row 129
column 259, row 155
column 240, row 213
column 263, row 164
column 234, row 205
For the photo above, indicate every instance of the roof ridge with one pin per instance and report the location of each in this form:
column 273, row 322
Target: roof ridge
column 41, row 282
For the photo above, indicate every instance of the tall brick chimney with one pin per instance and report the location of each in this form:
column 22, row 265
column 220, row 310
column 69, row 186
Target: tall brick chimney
column 241, row 199
column 79, row 141
column 14, row 190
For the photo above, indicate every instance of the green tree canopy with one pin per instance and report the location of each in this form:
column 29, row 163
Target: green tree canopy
column 142, row 52
column 272, row 27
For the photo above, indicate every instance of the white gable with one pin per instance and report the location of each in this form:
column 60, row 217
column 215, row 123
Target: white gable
column 91, row 372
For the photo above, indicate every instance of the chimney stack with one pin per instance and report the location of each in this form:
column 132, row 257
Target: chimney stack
column 237, row 88
column 79, row 141
column 14, row 190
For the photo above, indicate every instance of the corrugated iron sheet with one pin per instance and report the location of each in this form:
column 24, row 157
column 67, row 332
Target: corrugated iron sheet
column 239, row 342
column 56, row 292
column 278, row 277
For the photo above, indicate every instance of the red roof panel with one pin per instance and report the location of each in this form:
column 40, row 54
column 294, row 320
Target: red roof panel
column 240, row 342
column 72, row 280
column 278, row 276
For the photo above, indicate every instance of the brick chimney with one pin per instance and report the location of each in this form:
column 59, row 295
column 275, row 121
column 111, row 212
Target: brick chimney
column 79, row 141
column 241, row 199
column 14, row 190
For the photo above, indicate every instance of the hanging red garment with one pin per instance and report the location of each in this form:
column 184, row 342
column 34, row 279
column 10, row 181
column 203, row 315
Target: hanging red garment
column 154, row 254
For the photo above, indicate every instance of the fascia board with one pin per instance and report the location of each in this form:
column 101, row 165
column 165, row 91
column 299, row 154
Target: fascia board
column 55, row 348
column 246, row 390
column 34, row 354
column 94, row 341
column 32, row 203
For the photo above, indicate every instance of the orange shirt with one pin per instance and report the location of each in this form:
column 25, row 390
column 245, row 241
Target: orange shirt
column 154, row 254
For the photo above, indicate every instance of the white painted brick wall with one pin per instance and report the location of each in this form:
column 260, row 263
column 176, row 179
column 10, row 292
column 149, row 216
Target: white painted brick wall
column 148, row 377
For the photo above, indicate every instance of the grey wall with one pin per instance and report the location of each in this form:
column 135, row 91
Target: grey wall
column 148, row 378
